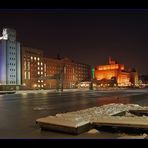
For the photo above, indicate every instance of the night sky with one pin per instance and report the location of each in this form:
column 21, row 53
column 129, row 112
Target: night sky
column 87, row 36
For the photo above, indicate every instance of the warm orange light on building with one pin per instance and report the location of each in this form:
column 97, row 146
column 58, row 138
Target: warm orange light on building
column 124, row 78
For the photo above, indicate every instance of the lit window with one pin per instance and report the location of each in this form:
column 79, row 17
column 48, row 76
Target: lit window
column 41, row 63
column 24, row 65
column 34, row 85
column 34, row 58
column 42, row 85
column 28, row 65
column 25, row 75
column 41, row 72
column 38, row 58
column 38, row 85
column 29, row 75
column 31, row 58
column 42, row 81
column 38, row 63
column 44, row 67
column 41, row 68
column 38, row 68
column 38, row 80
column 38, row 72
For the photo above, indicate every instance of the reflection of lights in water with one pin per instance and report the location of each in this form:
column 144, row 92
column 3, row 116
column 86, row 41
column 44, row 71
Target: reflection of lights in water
column 44, row 92
column 1, row 97
column 24, row 94
column 108, row 100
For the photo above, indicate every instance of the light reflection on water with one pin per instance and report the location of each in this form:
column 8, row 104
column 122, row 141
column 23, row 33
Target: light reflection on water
column 108, row 100
column 18, row 112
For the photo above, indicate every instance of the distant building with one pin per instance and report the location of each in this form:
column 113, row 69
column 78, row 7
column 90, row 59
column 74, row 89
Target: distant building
column 39, row 72
column 116, row 71
column 10, row 60
column 144, row 79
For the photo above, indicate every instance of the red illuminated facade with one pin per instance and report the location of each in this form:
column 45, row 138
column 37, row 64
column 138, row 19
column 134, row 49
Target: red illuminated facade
column 35, row 66
column 113, row 69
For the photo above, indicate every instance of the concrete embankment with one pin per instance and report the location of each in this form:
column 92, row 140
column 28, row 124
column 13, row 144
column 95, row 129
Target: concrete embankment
column 96, row 117
column 7, row 92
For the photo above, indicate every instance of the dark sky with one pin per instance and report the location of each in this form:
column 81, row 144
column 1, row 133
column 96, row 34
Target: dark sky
column 87, row 36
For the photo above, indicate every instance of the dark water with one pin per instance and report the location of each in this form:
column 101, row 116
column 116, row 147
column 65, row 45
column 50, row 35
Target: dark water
column 18, row 112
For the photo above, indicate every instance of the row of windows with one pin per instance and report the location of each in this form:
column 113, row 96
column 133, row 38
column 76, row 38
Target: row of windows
column 11, row 42
column 13, row 64
column 40, row 81
column 40, row 73
column 12, row 76
column 12, row 82
column 12, row 58
column 12, row 47
column 12, row 35
column 32, row 58
column 12, row 53
column 12, row 69
column 35, row 58
column 40, row 86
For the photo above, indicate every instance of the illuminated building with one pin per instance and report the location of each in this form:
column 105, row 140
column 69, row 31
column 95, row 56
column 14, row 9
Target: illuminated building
column 35, row 67
column 74, row 72
column 117, row 71
column 10, row 60
column 32, row 68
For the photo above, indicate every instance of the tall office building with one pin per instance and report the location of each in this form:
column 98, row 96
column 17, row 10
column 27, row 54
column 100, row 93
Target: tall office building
column 10, row 59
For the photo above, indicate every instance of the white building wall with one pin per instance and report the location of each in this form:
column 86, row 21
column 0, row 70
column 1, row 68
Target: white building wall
column 10, row 60
column 18, row 64
column 2, row 62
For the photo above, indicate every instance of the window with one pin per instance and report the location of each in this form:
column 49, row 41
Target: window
column 38, row 63
column 38, row 58
column 25, row 75
column 41, row 63
column 44, row 67
column 28, row 65
column 35, row 58
column 25, row 65
column 29, row 75
column 38, row 72
column 41, row 72
column 31, row 58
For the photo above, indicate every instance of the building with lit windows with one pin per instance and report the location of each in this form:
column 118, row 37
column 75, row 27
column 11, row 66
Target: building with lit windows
column 32, row 68
column 10, row 60
column 39, row 72
column 75, row 72
column 27, row 68
column 114, row 70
